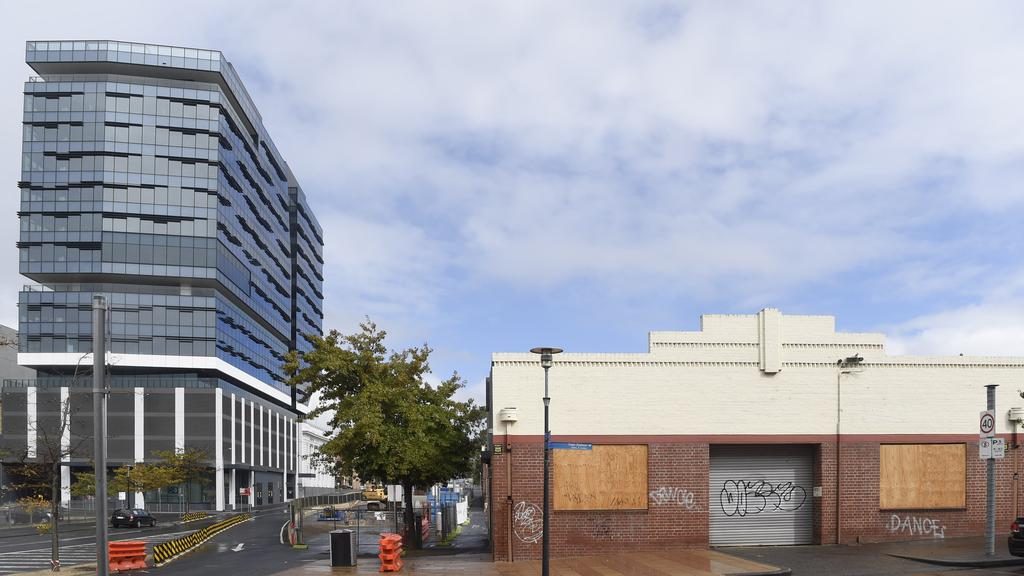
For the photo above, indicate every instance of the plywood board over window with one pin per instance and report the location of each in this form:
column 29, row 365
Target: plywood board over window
column 922, row 476
column 603, row 478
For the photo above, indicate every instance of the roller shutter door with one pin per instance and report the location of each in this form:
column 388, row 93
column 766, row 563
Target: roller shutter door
column 761, row 495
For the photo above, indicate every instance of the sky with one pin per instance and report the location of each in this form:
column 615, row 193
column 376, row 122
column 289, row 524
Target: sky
column 494, row 176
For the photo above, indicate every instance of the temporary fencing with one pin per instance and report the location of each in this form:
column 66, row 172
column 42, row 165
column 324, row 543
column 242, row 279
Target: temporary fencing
column 168, row 550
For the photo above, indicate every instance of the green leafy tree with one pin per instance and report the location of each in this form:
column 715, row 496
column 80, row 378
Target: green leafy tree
column 389, row 425
column 142, row 477
column 84, row 484
column 184, row 467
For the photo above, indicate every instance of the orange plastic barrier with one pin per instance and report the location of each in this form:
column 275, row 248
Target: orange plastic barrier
column 390, row 552
column 128, row 555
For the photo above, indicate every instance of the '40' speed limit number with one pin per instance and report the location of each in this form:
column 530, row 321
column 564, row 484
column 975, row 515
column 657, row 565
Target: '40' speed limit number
column 987, row 423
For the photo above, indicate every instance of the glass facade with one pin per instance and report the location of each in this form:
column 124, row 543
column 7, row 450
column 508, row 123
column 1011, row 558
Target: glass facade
column 147, row 176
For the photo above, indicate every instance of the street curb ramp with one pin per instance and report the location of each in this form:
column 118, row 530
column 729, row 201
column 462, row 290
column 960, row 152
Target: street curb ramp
column 167, row 551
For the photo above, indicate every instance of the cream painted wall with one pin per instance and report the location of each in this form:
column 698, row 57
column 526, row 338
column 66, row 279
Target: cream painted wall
column 709, row 382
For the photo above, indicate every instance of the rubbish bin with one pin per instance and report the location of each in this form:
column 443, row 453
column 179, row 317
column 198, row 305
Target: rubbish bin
column 343, row 548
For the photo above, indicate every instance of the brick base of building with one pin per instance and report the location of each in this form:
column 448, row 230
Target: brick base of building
column 681, row 468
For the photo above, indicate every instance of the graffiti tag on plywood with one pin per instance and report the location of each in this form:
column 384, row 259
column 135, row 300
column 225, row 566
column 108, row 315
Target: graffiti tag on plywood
column 749, row 497
column 672, row 495
column 914, row 526
column 528, row 522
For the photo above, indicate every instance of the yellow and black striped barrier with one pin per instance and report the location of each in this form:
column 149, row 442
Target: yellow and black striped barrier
column 193, row 516
column 166, row 551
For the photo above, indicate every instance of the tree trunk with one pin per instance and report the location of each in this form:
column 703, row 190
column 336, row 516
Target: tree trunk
column 410, row 517
column 55, row 520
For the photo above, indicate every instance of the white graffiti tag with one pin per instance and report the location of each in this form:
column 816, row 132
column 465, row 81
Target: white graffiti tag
column 914, row 526
column 528, row 522
column 673, row 495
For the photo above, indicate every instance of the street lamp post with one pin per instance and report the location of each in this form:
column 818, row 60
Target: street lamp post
column 546, row 362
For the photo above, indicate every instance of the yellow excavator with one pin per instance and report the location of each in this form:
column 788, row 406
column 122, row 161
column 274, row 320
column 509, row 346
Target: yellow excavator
column 374, row 493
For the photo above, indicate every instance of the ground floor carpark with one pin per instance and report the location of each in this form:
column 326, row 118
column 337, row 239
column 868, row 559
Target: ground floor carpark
column 737, row 493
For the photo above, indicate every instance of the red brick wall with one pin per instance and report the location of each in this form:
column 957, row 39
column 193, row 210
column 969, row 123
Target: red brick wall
column 862, row 521
column 681, row 520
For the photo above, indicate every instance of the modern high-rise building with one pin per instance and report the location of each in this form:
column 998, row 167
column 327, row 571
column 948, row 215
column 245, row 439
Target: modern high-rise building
column 149, row 178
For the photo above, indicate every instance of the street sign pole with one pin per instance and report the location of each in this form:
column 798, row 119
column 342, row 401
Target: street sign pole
column 99, row 410
column 990, row 480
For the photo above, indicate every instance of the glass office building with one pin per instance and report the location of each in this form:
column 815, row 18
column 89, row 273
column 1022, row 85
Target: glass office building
column 148, row 177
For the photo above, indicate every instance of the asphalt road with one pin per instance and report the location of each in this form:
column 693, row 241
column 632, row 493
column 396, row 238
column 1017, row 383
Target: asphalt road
column 21, row 552
column 251, row 548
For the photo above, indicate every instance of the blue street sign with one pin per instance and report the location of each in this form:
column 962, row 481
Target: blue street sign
column 570, row 446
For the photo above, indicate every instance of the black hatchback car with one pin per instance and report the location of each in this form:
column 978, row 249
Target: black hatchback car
column 132, row 518
column 1016, row 540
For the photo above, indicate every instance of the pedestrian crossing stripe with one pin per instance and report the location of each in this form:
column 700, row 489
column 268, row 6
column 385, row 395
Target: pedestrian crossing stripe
column 167, row 551
column 70, row 555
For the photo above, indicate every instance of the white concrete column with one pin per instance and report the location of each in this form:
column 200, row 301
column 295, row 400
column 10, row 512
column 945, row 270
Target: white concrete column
column 295, row 460
column 233, row 436
column 139, row 396
column 263, row 435
column 65, row 445
column 140, row 424
column 65, row 486
column 32, row 422
column 241, row 449
column 284, row 457
column 277, row 439
column 179, row 419
column 233, row 489
column 252, row 436
column 218, row 449
column 65, row 433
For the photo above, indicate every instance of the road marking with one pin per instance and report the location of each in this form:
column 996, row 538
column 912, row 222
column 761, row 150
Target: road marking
column 239, row 547
column 39, row 558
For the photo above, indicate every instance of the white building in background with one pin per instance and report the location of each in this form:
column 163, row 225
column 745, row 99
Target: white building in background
column 313, row 479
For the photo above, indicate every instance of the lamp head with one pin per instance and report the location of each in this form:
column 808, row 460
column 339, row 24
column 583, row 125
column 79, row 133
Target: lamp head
column 851, row 360
column 546, row 354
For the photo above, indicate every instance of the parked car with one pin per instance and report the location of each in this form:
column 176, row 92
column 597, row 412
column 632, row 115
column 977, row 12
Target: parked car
column 1016, row 540
column 132, row 518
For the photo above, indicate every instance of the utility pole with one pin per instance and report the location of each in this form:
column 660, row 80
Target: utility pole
column 99, row 410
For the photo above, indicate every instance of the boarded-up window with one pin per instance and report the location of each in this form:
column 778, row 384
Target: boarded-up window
column 603, row 478
column 922, row 476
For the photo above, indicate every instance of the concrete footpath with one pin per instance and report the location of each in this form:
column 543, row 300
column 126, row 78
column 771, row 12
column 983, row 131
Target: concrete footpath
column 466, row 555
column 665, row 563
column 966, row 552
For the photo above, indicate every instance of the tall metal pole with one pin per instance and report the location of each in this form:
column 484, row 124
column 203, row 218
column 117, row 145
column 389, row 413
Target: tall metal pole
column 546, row 357
column 990, row 481
column 545, row 568
column 99, row 410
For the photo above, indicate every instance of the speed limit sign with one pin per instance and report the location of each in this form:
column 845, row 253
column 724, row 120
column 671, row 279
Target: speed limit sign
column 987, row 424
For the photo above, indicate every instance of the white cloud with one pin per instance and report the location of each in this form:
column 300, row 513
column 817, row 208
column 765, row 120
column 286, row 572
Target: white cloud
column 726, row 153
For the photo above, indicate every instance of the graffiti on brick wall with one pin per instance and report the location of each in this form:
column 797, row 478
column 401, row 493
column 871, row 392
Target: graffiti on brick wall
column 528, row 522
column 749, row 497
column 674, row 496
column 602, row 529
column 914, row 526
